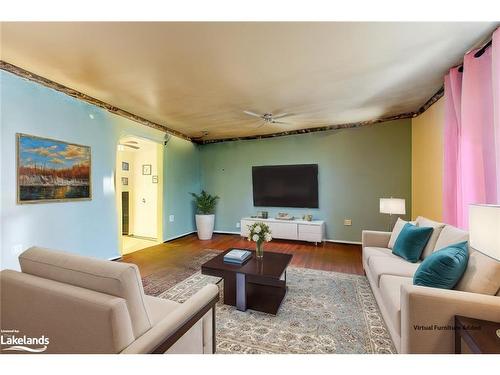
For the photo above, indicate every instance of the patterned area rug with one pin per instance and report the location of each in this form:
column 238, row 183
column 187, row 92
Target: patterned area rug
column 323, row 312
column 159, row 282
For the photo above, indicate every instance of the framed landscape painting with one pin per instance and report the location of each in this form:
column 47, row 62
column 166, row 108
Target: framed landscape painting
column 50, row 171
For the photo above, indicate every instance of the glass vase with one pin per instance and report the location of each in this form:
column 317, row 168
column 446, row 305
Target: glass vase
column 259, row 249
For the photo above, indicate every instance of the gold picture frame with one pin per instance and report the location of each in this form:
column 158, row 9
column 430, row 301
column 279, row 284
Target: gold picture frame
column 50, row 170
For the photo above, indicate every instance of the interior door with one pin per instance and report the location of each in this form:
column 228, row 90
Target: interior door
column 125, row 213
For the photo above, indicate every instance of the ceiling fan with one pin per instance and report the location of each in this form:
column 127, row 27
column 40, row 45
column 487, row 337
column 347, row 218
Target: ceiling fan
column 269, row 118
column 130, row 144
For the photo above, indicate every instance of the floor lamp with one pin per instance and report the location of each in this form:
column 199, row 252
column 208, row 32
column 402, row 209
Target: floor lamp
column 392, row 206
column 484, row 231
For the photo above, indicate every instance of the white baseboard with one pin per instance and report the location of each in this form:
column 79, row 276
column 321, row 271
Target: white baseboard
column 346, row 242
column 239, row 233
column 226, row 232
column 179, row 236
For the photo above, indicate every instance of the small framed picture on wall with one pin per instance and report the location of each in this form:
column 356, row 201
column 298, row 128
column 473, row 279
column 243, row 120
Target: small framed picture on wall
column 155, row 179
column 125, row 166
column 124, row 181
column 146, row 169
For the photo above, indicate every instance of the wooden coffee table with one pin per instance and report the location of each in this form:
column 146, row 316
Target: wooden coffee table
column 257, row 284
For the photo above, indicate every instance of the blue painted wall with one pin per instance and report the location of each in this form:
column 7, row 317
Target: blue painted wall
column 356, row 168
column 182, row 168
column 85, row 227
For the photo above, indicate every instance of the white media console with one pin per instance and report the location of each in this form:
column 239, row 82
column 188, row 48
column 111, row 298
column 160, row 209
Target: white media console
column 302, row 230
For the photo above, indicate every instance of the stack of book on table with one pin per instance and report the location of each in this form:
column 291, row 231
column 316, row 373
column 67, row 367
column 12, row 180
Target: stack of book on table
column 237, row 256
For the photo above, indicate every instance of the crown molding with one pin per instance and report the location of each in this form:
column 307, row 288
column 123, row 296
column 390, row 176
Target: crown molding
column 23, row 73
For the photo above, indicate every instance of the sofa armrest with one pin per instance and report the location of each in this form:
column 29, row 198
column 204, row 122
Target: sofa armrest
column 164, row 334
column 427, row 316
column 374, row 238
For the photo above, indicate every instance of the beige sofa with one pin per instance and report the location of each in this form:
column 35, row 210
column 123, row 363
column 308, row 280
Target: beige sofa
column 86, row 305
column 420, row 319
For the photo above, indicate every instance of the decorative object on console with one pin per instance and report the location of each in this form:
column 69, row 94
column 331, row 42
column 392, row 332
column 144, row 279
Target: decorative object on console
column 443, row 268
column 307, row 217
column 392, row 206
column 411, row 242
column 205, row 217
column 50, row 171
column 259, row 233
column 262, row 214
column 284, row 216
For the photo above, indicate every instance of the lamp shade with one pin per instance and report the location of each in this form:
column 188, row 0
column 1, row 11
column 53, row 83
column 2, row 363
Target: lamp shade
column 392, row 206
column 484, row 229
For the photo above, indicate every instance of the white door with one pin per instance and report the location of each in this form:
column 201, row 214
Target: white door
column 145, row 197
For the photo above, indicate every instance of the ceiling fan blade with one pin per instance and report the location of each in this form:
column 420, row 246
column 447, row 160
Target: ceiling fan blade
column 252, row 114
column 126, row 145
column 282, row 115
column 279, row 122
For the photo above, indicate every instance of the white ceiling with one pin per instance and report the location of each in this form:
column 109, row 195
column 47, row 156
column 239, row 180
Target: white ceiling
column 193, row 77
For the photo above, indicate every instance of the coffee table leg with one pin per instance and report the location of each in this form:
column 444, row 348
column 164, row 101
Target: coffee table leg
column 241, row 294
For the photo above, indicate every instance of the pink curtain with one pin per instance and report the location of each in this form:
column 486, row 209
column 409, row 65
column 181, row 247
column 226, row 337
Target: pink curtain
column 472, row 134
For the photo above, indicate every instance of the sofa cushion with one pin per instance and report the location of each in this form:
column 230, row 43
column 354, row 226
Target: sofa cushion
column 443, row 268
column 114, row 278
column 437, row 228
column 390, row 292
column 411, row 242
column 400, row 223
column 482, row 275
column 159, row 308
column 380, row 266
column 450, row 235
column 369, row 252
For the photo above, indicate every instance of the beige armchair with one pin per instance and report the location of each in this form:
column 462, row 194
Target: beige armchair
column 87, row 305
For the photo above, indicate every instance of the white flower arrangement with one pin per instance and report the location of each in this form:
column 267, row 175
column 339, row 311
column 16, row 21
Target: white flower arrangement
column 259, row 232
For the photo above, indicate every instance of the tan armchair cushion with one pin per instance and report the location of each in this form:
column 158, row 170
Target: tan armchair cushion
column 113, row 278
column 481, row 276
column 74, row 319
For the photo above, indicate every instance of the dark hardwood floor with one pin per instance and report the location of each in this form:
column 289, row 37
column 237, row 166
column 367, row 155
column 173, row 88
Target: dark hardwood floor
column 176, row 254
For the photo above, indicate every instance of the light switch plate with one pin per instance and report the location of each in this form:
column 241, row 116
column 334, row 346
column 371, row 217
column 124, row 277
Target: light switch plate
column 347, row 222
column 171, row 218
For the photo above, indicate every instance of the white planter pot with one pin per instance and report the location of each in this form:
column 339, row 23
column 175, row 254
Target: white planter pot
column 205, row 226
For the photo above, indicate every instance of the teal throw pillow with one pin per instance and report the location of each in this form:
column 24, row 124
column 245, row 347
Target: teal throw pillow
column 411, row 242
column 443, row 268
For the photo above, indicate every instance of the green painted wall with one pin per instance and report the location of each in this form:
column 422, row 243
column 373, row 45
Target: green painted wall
column 181, row 165
column 356, row 168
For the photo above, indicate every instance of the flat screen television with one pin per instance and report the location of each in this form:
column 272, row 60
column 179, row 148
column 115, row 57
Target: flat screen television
column 285, row 186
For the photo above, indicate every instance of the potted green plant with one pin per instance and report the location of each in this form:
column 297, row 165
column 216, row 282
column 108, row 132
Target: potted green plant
column 205, row 217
